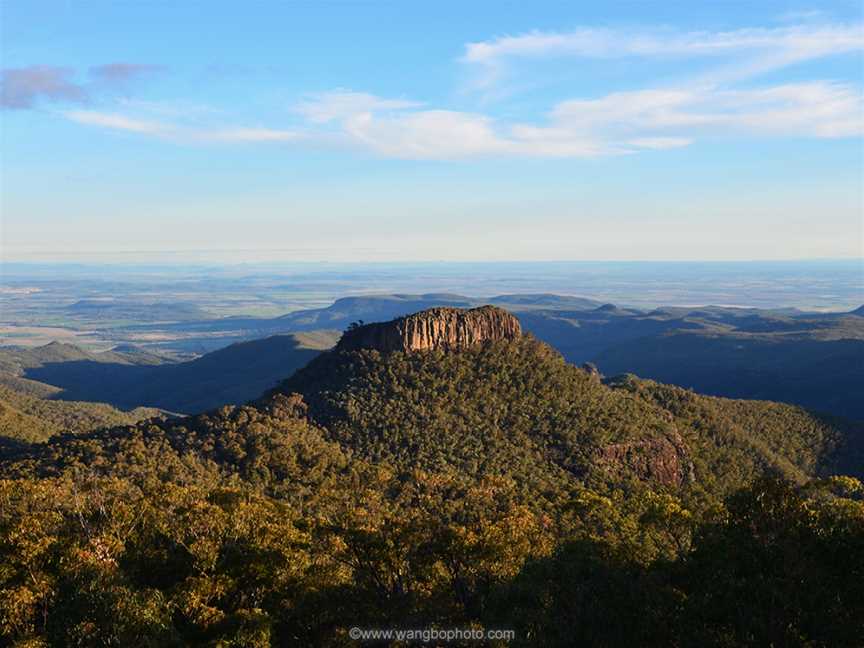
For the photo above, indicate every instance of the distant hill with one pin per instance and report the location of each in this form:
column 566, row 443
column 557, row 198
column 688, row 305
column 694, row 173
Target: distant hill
column 370, row 308
column 481, row 484
column 519, row 404
column 17, row 360
column 17, row 426
column 233, row 374
column 810, row 359
column 501, row 406
column 825, row 375
column 30, row 419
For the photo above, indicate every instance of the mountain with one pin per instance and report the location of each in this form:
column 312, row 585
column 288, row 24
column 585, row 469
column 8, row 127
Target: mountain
column 17, row 426
column 436, row 328
column 824, row 375
column 463, row 391
column 24, row 417
column 133, row 378
column 811, row 359
column 509, row 400
column 815, row 360
column 441, row 470
column 370, row 308
column 16, row 360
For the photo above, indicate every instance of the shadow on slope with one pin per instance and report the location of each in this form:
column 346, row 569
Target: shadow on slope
column 824, row 375
column 235, row 374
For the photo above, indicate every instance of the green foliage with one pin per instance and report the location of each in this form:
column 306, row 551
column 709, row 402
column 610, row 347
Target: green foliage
column 103, row 562
column 512, row 409
column 733, row 440
column 449, row 490
column 24, row 417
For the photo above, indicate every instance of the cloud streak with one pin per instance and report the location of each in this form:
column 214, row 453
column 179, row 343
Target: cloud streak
column 808, row 40
column 710, row 105
column 764, row 48
column 615, row 124
column 113, row 121
column 179, row 132
column 324, row 107
column 619, row 123
column 117, row 73
column 23, row 88
column 26, row 88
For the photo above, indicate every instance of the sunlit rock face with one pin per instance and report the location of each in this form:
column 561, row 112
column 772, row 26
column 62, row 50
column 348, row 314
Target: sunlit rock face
column 664, row 459
column 436, row 328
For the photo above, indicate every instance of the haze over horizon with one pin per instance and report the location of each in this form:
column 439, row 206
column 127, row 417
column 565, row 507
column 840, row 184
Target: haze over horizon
column 374, row 132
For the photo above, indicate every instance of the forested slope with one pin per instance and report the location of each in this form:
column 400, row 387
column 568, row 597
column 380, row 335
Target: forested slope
column 497, row 486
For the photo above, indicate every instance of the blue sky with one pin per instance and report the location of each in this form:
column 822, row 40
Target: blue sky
column 348, row 131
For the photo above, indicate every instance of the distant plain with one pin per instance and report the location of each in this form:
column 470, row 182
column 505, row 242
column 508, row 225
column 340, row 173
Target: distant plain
column 100, row 306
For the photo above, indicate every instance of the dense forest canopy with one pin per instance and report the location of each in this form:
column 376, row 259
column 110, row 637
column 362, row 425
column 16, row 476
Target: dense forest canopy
column 495, row 487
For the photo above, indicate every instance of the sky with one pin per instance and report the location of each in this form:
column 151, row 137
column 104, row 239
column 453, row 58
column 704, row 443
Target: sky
column 408, row 131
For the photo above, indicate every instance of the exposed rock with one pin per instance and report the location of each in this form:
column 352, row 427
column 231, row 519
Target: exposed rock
column 591, row 369
column 436, row 328
column 664, row 459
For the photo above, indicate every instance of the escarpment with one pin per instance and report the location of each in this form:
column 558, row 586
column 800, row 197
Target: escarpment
column 435, row 328
column 663, row 459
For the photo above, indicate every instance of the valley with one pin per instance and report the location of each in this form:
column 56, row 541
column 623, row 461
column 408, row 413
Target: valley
column 442, row 466
column 130, row 353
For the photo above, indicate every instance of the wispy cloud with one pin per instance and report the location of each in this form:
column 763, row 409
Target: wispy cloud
column 766, row 48
column 712, row 103
column 814, row 109
column 121, row 72
column 326, row 107
column 618, row 123
column 177, row 131
column 615, row 124
column 114, row 121
column 22, row 88
column 251, row 135
column 809, row 40
column 26, row 87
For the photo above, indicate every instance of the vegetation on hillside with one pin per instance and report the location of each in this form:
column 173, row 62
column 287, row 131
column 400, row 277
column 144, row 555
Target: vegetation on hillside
column 24, row 417
column 470, row 489
column 132, row 378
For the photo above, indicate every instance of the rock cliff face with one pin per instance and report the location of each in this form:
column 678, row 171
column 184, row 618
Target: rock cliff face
column 436, row 328
column 663, row 459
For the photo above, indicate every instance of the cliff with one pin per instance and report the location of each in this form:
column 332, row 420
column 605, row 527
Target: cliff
column 663, row 459
column 436, row 328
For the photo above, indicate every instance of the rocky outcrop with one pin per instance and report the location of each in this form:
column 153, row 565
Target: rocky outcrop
column 661, row 459
column 591, row 369
column 436, row 328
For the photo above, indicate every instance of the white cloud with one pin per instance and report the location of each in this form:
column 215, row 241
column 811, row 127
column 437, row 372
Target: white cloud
column 615, row 124
column 618, row 123
column 659, row 143
column 117, row 122
column 754, row 50
column 113, row 121
column 249, row 135
column 329, row 106
column 811, row 109
column 711, row 105
column 807, row 41
column 437, row 134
